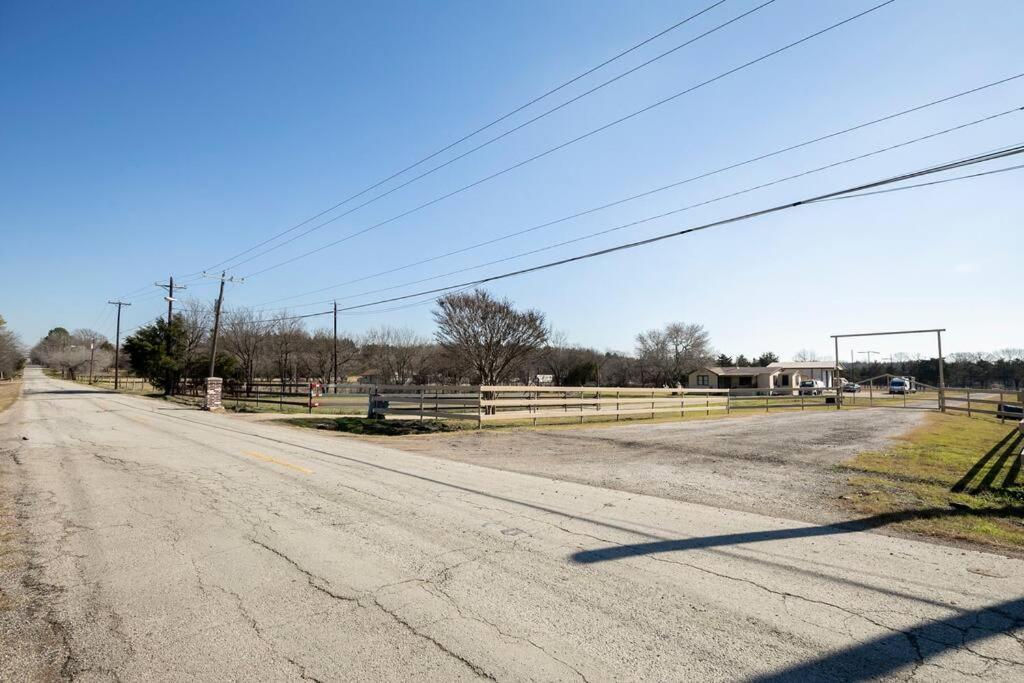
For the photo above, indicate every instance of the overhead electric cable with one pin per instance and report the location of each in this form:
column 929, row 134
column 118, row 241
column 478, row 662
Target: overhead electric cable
column 492, row 140
column 564, row 144
column 672, row 212
column 653, row 191
column 477, row 131
column 970, row 161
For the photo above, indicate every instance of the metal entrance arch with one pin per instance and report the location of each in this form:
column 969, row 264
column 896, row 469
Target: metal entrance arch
column 938, row 334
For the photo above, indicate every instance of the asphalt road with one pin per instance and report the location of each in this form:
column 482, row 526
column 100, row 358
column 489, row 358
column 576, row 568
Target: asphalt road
column 149, row 541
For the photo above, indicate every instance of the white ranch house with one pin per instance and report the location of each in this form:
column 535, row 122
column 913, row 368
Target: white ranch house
column 775, row 376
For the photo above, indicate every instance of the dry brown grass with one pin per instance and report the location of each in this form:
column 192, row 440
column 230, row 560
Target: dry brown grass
column 9, row 393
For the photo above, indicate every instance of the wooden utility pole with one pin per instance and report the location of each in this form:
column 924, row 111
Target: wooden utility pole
column 216, row 316
column 168, row 341
column 170, row 286
column 335, row 350
column 117, row 343
column 216, row 327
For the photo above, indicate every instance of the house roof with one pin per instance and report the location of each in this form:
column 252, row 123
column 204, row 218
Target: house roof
column 748, row 371
column 806, row 365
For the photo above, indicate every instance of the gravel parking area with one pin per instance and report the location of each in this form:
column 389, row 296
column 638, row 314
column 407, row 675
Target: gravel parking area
column 779, row 464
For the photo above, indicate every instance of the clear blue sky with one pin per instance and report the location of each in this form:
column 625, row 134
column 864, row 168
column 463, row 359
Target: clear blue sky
column 146, row 139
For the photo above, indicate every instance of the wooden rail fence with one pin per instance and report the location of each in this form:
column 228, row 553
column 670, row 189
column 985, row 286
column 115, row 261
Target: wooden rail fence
column 515, row 403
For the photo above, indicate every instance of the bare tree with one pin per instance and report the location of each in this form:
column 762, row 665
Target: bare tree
column 320, row 352
column 286, row 342
column 12, row 354
column 197, row 318
column 245, row 336
column 398, row 354
column 670, row 354
column 806, row 356
column 489, row 333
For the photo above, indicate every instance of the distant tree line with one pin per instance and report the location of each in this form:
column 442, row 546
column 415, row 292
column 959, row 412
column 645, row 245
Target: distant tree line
column 12, row 354
column 74, row 353
column 478, row 339
column 1002, row 369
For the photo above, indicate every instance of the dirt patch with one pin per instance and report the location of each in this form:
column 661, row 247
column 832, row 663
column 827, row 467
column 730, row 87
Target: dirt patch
column 782, row 465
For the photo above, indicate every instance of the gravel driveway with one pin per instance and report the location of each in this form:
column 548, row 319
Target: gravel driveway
column 777, row 464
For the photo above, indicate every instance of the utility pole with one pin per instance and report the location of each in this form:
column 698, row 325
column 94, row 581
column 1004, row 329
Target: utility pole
column 170, row 317
column 216, row 315
column 170, row 296
column 92, row 357
column 215, row 385
column 335, row 353
column 869, row 355
column 117, row 344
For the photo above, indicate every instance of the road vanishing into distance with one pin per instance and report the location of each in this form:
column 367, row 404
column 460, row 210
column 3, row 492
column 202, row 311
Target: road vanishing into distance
column 144, row 540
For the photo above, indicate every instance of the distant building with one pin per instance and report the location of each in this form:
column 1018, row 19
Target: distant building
column 776, row 376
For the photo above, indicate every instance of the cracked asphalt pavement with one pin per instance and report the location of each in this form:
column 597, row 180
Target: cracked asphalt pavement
column 147, row 541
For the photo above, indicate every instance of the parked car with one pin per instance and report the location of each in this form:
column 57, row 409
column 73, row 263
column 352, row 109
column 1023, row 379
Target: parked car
column 811, row 387
column 851, row 387
column 901, row 385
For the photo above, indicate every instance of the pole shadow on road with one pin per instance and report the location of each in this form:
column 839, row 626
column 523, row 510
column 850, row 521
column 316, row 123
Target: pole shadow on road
column 620, row 552
column 878, row 657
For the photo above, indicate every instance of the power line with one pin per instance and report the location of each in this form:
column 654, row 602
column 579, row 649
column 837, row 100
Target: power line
column 662, row 188
column 665, row 214
column 930, row 183
column 476, row 132
column 857, row 189
column 500, row 136
column 565, row 144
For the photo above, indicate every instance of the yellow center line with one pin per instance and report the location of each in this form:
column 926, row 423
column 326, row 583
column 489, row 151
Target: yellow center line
column 266, row 458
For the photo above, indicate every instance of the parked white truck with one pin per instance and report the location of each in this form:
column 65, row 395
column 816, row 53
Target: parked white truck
column 902, row 385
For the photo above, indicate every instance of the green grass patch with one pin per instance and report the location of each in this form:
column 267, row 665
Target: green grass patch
column 369, row 427
column 953, row 477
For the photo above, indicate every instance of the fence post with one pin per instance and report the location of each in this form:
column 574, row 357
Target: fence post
column 421, row 404
column 968, row 402
column 617, row 394
column 479, row 408
column 766, row 403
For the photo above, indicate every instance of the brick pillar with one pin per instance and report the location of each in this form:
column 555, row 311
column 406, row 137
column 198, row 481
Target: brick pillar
column 214, row 392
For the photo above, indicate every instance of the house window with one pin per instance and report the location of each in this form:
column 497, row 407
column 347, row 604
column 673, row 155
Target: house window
column 703, row 380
